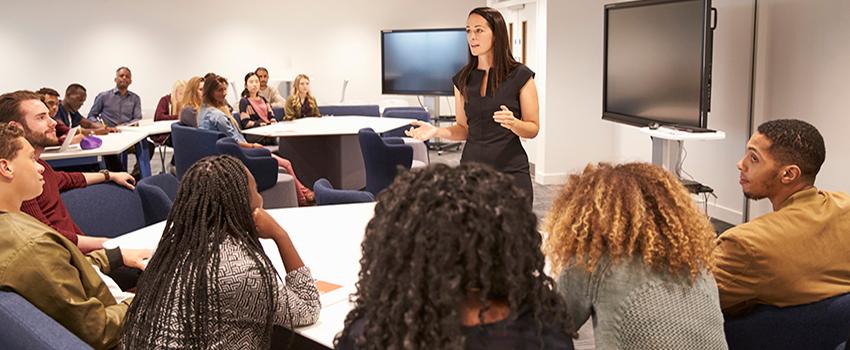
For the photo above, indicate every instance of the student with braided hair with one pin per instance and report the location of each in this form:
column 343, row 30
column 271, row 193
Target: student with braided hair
column 210, row 285
column 216, row 115
column 634, row 252
column 471, row 280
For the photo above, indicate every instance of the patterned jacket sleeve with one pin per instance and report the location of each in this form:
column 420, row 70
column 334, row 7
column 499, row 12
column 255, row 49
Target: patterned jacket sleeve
column 298, row 301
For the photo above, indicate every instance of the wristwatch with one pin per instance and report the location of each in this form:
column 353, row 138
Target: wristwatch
column 105, row 174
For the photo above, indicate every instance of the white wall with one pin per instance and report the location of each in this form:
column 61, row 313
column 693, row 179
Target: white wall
column 803, row 72
column 54, row 43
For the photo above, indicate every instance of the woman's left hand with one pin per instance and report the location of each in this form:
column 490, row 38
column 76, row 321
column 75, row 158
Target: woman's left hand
column 505, row 118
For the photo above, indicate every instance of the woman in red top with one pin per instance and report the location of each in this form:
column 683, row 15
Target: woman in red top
column 166, row 109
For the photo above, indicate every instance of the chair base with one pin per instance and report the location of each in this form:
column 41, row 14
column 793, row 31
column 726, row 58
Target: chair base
column 282, row 194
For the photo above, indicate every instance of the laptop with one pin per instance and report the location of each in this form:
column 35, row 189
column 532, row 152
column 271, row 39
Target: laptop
column 66, row 145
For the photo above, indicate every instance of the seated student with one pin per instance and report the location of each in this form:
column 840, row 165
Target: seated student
column 300, row 103
column 267, row 91
column 44, row 267
column 50, row 98
column 25, row 110
column 255, row 111
column 633, row 251
column 189, row 105
column 798, row 254
column 210, row 285
column 166, row 109
column 69, row 114
column 452, row 260
column 215, row 115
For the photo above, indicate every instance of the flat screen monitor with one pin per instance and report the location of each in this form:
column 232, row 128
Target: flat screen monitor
column 422, row 62
column 657, row 62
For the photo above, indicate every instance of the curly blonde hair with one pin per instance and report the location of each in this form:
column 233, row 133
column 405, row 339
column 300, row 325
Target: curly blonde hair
column 633, row 209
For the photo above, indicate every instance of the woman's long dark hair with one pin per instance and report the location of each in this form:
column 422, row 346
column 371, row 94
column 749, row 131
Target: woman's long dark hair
column 245, row 91
column 439, row 236
column 503, row 59
column 181, row 280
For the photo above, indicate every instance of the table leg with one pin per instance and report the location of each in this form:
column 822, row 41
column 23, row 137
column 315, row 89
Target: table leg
column 143, row 158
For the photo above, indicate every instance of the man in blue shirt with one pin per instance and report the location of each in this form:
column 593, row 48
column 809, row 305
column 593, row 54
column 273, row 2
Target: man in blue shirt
column 115, row 107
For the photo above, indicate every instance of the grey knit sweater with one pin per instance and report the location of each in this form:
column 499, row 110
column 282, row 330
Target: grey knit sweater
column 635, row 307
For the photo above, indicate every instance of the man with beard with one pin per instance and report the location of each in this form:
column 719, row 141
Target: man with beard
column 25, row 109
column 797, row 254
column 270, row 93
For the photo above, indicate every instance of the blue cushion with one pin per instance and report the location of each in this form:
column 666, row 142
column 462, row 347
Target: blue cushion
column 155, row 203
column 820, row 325
column 191, row 144
column 105, row 210
column 382, row 160
column 166, row 182
column 26, row 327
column 326, row 194
column 258, row 161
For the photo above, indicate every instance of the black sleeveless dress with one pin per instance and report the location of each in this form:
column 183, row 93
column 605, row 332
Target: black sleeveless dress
column 488, row 142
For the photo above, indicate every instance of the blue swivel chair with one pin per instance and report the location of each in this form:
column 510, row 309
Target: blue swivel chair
column 157, row 194
column 360, row 110
column 821, row 325
column 277, row 189
column 382, row 158
column 105, row 210
column 191, row 144
column 26, row 327
column 326, row 194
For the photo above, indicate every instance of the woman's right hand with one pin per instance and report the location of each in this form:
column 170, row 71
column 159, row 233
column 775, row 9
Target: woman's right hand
column 266, row 225
column 423, row 131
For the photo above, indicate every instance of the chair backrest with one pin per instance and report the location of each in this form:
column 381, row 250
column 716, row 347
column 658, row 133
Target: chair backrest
column 26, row 327
column 361, row 110
column 191, row 144
column 382, row 160
column 166, row 182
column 105, row 210
column 278, row 113
column 326, row 194
column 258, row 161
column 417, row 113
column 155, row 203
column 820, row 325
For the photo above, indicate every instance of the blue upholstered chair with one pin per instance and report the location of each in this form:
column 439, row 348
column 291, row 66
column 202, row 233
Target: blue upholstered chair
column 360, row 110
column 277, row 189
column 278, row 113
column 191, row 144
column 382, row 159
column 157, row 194
column 105, row 210
column 26, row 327
column 326, row 194
column 821, row 325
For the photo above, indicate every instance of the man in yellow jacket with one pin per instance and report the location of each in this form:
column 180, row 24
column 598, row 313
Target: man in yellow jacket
column 44, row 267
column 797, row 254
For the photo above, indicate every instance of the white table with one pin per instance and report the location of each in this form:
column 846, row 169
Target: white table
column 113, row 144
column 328, row 239
column 150, row 127
column 326, row 147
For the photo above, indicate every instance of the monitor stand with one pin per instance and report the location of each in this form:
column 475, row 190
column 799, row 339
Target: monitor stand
column 667, row 151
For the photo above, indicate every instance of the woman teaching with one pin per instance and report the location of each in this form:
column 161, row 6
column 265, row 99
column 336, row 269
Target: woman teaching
column 499, row 100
